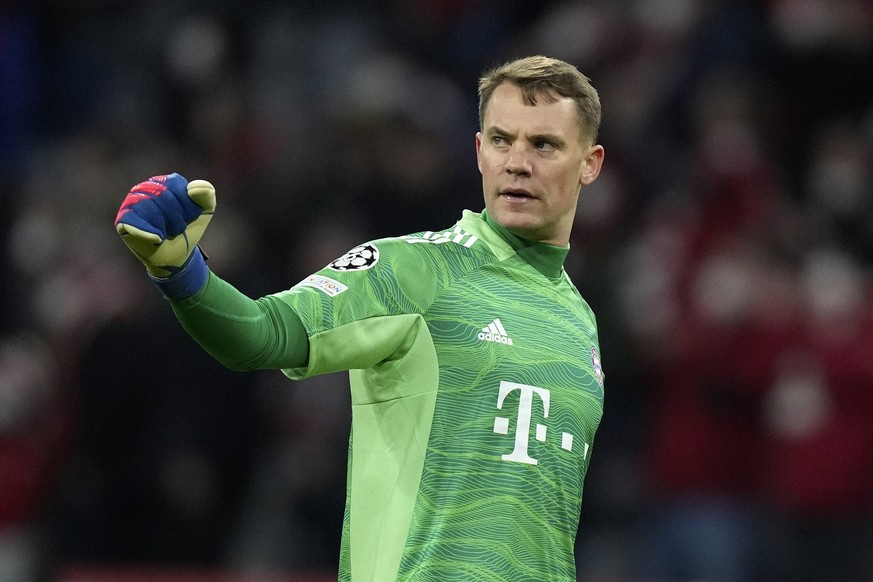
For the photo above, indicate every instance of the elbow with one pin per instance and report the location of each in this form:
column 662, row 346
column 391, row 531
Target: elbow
column 234, row 364
column 237, row 366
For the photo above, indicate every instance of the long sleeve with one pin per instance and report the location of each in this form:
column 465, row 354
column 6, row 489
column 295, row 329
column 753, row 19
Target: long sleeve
column 240, row 332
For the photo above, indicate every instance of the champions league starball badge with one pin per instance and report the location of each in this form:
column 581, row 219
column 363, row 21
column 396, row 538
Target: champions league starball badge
column 359, row 258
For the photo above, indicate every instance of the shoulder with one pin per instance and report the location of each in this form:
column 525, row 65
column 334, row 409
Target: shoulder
column 430, row 259
column 451, row 248
column 572, row 294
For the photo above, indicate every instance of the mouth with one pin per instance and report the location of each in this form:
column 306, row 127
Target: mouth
column 516, row 194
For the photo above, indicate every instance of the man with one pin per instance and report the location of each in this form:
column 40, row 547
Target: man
column 475, row 375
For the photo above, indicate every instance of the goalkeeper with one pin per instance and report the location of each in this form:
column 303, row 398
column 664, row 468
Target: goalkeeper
column 476, row 381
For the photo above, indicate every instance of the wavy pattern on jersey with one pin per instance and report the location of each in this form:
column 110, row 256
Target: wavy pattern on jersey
column 468, row 492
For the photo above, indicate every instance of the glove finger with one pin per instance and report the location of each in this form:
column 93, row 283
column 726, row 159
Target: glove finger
column 161, row 205
column 138, row 194
column 147, row 236
column 174, row 204
column 184, row 203
column 160, row 215
column 179, row 187
column 146, row 205
column 176, row 211
column 138, row 211
column 203, row 194
column 143, row 244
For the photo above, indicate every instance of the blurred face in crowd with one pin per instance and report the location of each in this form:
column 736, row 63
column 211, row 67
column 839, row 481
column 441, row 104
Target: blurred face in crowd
column 534, row 160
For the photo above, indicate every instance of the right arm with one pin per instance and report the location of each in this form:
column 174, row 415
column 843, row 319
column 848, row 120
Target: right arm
column 242, row 333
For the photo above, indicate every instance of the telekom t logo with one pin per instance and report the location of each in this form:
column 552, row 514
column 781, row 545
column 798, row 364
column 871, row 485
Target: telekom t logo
column 520, row 454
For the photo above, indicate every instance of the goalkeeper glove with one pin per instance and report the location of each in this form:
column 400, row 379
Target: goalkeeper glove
column 161, row 221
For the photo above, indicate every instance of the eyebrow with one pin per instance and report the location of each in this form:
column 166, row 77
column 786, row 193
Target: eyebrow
column 547, row 137
column 496, row 129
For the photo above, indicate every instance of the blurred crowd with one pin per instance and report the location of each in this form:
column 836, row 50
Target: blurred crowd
column 727, row 249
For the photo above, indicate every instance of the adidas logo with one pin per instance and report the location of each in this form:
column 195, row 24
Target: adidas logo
column 494, row 332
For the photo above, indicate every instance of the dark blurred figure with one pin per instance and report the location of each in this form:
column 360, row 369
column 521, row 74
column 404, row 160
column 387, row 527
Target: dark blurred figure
column 817, row 463
column 160, row 469
column 34, row 423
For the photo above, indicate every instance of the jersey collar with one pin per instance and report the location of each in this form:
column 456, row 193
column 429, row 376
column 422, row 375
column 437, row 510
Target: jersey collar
column 545, row 258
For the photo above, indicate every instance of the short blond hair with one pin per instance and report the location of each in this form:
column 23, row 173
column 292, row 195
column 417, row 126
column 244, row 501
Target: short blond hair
column 540, row 76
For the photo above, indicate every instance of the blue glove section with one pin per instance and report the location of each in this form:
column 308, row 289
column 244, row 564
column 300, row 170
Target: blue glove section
column 188, row 280
column 160, row 206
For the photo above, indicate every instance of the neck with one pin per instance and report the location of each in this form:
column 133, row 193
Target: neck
column 545, row 257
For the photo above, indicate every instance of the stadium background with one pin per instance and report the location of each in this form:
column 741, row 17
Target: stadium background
column 726, row 248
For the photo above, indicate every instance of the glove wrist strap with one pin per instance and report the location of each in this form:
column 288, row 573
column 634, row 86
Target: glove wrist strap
column 190, row 278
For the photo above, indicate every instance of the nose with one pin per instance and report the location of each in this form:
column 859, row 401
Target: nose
column 518, row 161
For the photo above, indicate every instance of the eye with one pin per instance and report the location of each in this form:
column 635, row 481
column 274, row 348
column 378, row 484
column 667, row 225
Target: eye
column 544, row 146
column 498, row 140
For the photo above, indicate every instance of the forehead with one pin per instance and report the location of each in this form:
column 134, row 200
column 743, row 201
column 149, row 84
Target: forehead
column 553, row 114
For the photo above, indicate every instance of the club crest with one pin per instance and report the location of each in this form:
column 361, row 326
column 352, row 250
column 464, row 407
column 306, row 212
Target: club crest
column 598, row 367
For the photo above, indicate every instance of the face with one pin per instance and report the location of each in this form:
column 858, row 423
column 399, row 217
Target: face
column 533, row 162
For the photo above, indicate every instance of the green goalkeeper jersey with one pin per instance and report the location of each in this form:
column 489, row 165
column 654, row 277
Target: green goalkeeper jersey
column 476, row 389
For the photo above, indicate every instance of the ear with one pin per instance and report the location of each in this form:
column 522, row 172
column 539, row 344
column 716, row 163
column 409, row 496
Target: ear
column 591, row 165
column 479, row 150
